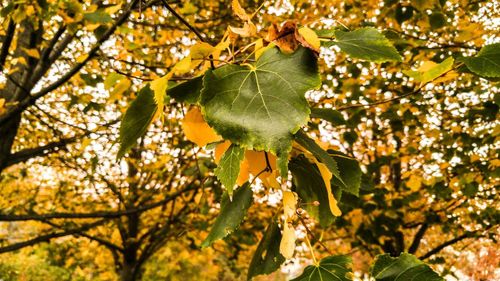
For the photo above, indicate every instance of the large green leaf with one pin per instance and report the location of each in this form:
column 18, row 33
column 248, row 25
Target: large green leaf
column 350, row 172
column 136, row 119
column 332, row 268
column 367, row 44
column 310, row 188
column 331, row 115
column 231, row 214
column 486, row 62
column 428, row 74
column 405, row 267
column 267, row 257
column 261, row 106
column 229, row 167
column 188, row 91
column 304, row 140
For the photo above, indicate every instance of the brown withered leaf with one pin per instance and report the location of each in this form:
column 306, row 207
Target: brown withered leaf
column 284, row 37
column 288, row 38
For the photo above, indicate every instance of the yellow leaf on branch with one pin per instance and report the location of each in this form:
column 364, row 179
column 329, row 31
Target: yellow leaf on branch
column 310, row 38
column 249, row 29
column 289, row 204
column 197, row 130
column 159, row 87
column 287, row 245
column 327, row 176
column 239, row 11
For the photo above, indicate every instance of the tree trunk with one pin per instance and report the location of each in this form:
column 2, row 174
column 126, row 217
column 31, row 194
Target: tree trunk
column 129, row 272
column 8, row 132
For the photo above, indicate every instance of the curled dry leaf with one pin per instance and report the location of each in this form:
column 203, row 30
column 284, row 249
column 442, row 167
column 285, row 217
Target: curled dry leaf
column 288, row 37
column 248, row 30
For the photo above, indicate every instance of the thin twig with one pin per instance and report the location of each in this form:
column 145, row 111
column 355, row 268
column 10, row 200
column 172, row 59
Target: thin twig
column 303, row 222
column 188, row 25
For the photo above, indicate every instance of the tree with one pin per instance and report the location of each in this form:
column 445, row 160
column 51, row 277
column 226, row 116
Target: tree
column 404, row 122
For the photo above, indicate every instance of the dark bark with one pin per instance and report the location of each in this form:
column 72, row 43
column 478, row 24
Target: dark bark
column 8, row 132
column 418, row 237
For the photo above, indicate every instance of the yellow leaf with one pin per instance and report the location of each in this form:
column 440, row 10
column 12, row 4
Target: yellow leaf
column 327, row 176
column 183, row 66
column 224, row 44
column 239, row 11
column 112, row 9
column 259, row 44
column 32, row 53
column 414, row 183
column 271, row 181
column 82, row 58
column 20, row 60
column 119, row 89
column 289, row 204
column 220, row 149
column 197, row 130
column 310, row 37
column 247, row 30
column 287, row 245
column 257, row 162
column 159, row 87
column 201, row 51
column 451, row 75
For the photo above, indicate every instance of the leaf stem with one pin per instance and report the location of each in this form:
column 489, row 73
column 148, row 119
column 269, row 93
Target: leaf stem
column 302, row 221
column 312, row 251
column 268, row 164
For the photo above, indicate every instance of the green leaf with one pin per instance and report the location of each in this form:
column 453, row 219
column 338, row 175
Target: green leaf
column 136, row 119
column 261, row 106
column 330, row 115
column 486, row 62
column 229, row 167
column 231, row 214
column 430, row 71
column 98, row 16
column 404, row 267
column 332, row 268
column 304, row 140
column 310, row 188
column 188, row 91
column 367, row 44
column 112, row 79
column 350, row 172
column 267, row 257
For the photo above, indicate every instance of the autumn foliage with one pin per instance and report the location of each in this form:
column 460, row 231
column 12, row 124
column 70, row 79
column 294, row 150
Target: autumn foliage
column 238, row 140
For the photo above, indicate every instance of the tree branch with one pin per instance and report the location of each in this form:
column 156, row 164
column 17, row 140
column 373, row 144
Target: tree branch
column 24, row 103
column 48, row 237
column 94, row 215
column 187, row 24
column 4, row 52
column 418, row 237
column 448, row 243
